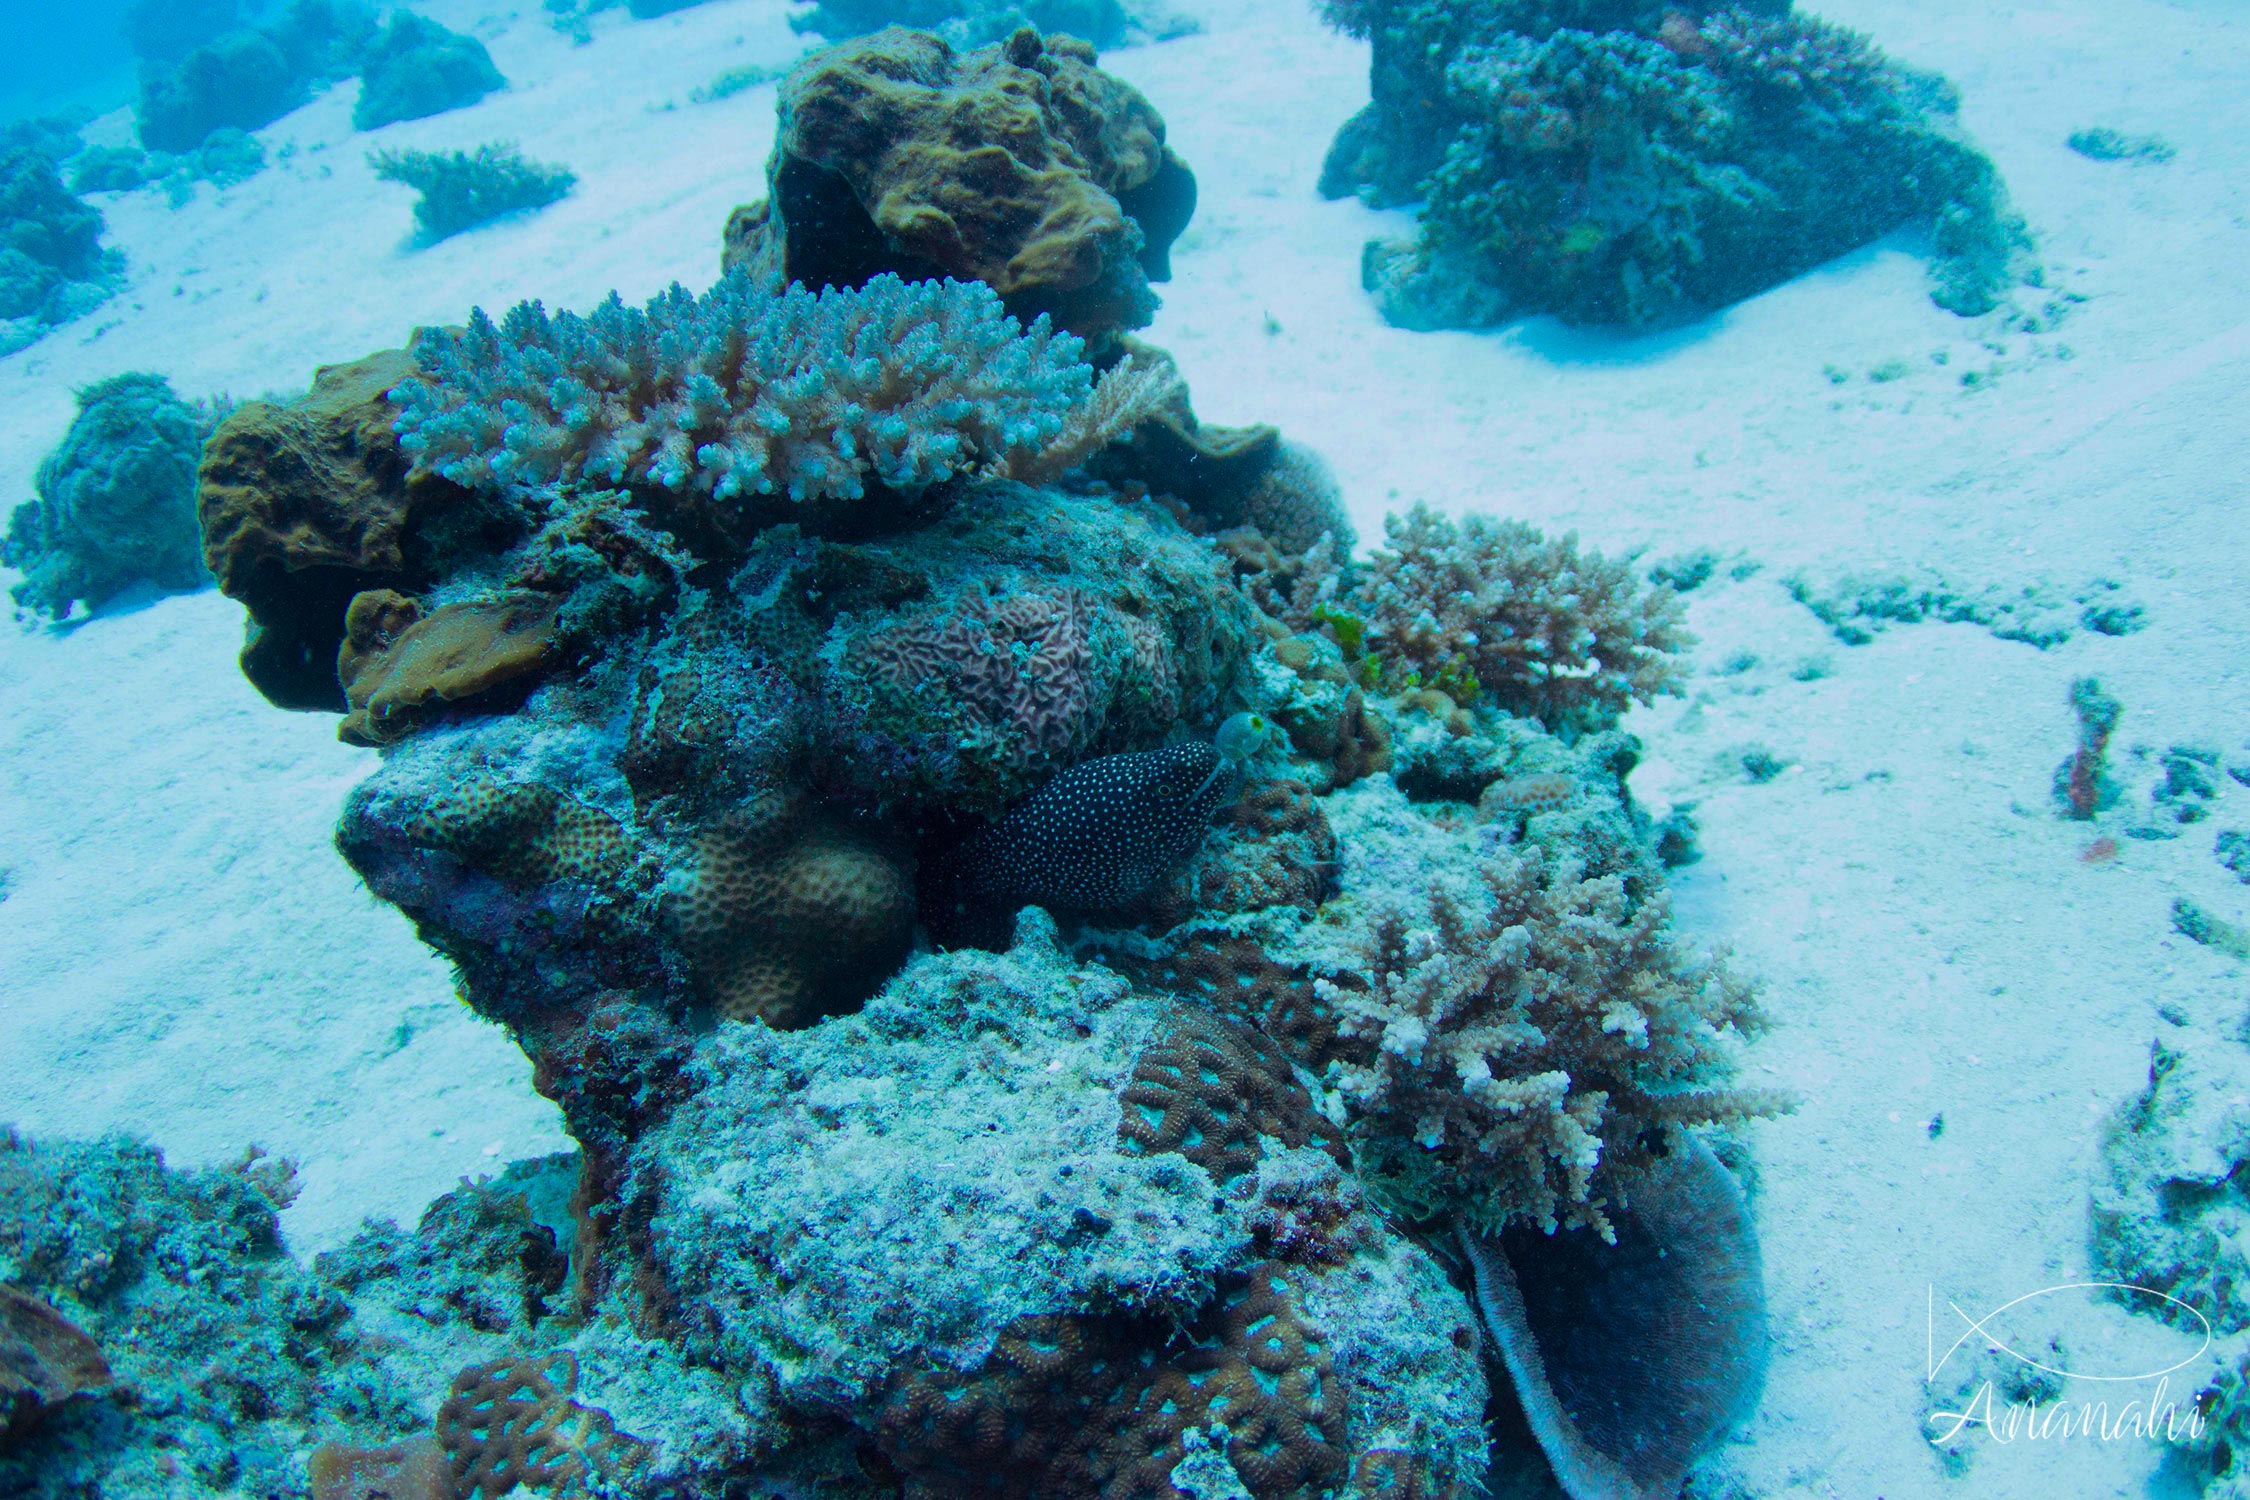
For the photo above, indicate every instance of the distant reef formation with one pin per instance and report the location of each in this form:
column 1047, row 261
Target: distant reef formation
column 1064, row 982
column 1631, row 163
column 53, row 265
column 116, row 500
column 973, row 23
column 246, row 76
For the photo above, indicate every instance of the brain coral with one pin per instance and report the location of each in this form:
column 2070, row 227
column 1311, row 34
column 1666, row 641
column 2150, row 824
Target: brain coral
column 1021, row 165
column 116, row 501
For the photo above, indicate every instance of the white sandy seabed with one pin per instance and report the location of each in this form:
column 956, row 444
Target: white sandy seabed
column 183, row 954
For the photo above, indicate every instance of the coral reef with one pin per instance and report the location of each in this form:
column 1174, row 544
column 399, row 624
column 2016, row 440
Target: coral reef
column 116, row 502
column 45, row 1361
column 307, row 503
column 953, row 836
column 1531, row 1050
column 462, row 189
column 1019, row 164
column 971, row 23
column 52, row 264
column 416, row 68
column 223, row 1358
column 1634, row 164
column 250, row 76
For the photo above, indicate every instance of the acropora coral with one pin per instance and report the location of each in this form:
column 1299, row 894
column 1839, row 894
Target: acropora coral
column 1485, row 607
column 737, row 393
column 116, row 502
column 1634, row 164
column 462, row 189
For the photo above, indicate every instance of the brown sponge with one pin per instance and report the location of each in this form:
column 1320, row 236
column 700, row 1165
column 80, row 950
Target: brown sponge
column 306, row 503
column 1020, row 164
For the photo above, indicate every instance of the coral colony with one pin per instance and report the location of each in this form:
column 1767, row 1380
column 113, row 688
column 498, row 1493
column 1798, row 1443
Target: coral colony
column 1064, row 980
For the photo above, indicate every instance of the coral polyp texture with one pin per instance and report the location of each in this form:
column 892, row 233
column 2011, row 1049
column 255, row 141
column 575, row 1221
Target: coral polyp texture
column 1039, row 954
column 1019, row 164
column 116, row 502
column 1634, row 164
column 737, row 393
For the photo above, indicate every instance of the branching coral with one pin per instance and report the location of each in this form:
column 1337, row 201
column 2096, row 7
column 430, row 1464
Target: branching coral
column 1533, row 1052
column 1494, row 608
column 737, row 393
column 116, row 501
column 462, row 189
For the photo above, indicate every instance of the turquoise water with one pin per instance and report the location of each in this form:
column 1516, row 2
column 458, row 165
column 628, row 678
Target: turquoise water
column 1406, row 748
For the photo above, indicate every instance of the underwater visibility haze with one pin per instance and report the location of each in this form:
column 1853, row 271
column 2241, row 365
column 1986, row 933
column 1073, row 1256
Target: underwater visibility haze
column 1125, row 750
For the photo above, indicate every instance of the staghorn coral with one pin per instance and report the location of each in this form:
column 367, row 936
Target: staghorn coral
column 416, row 68
column 116, row 502
column 1485, row 608
column 1020, row 164
column 1634, row 163
column 462, row 189
column 1534, row 1046
column 737, row 394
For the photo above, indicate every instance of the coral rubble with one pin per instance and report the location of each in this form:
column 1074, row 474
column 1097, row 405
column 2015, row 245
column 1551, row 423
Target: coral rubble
column 1039, row 952
column 1631, row 164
